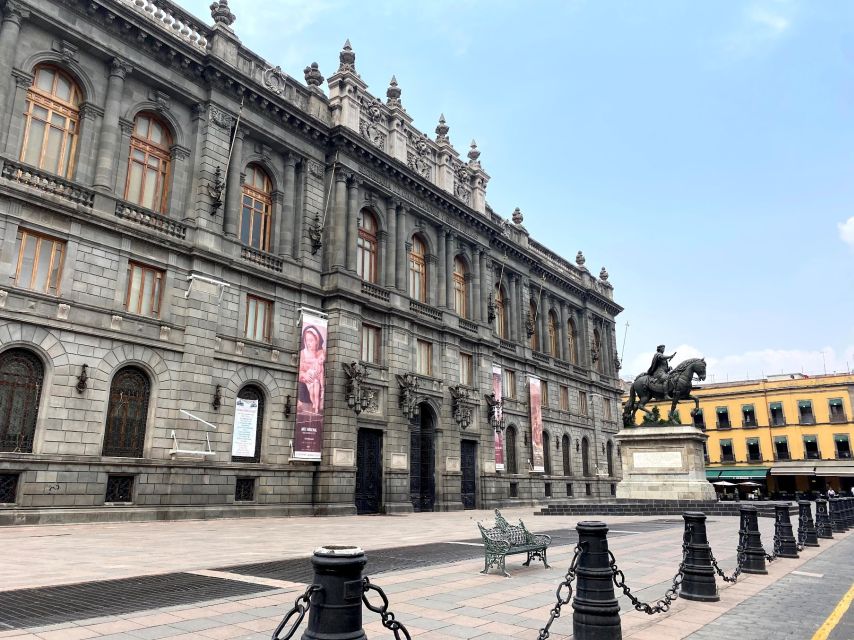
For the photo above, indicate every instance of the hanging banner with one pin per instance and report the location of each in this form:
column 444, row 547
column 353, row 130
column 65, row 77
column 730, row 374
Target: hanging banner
column 497, row 415
column 536, row 425
column 308, row 434
column 245, row 428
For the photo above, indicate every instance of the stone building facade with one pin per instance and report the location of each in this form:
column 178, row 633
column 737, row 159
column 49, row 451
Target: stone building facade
column 172, row 205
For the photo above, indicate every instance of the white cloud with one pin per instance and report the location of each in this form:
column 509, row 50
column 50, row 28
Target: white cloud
column 762, row 23
column 846, row 231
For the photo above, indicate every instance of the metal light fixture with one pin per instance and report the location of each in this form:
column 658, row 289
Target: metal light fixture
column 577, row 445
column 358, row 397
column 217, row 398
column 287, row 406
column 82, row 379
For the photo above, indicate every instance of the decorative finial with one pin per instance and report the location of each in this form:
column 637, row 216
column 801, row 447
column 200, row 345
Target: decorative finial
column 221, row 14
column 442, row 130
column 580, row 260
column 313, row 77
column 347, row 58
column 517, row 216
column 603, row 275
column 393, row 93
column 474, row 153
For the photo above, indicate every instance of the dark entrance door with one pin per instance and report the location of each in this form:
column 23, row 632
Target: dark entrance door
column 422, row 456
column 369, row 471
column 468, row 465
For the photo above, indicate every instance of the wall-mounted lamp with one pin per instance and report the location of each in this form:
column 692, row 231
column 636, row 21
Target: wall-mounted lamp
column 315, row 235
column 217, row 398
column 603, row 448
column 577, row 445
column 557, row 444
column 82, row 379
column 287, row 406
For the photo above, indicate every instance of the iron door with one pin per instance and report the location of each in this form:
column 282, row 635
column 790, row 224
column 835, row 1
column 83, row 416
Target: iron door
column 422, row 483
column 369, row 471
column 468, row 465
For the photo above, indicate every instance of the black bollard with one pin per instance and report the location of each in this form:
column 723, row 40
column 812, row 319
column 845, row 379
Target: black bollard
column 837, row 520
column 596, row 613
column 754, row 554
column 698, row 576
column 784, row 540
column 806, row 526
column 822, row 519
column 336, row 610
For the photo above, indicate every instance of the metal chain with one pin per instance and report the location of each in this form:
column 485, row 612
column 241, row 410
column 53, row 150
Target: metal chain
column 554, row 614
column 387, row 616
column 299, row 609
column 663, row 604
column 778, row 544
column 802, row 531
column 741, row 555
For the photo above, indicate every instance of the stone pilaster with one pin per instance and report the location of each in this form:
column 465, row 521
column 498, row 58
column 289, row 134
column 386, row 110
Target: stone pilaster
column 393, row 245
column 13, row 15
column 448, row 266
column 563, row 348
column 477, row 303
column 352, row 223
column 234, row 186
column 108, row 143
column 287, row 222
column 337, row 221
column 444, row 275
column 402, row 250
column 512, row 308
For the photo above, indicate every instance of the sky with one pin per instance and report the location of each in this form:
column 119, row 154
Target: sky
column 702, row 151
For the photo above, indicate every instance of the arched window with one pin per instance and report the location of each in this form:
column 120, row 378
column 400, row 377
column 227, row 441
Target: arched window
column 510, row 446
column 554, row 335
column 366, row 247
column 460, row 291
column 532, row 323
column 501, row 313
column 547, row 454
column 572, row 341
column 21, row 378
column 127, row 413
column 610, row 453
column 585, row 457
column 148, row 163
column 567, row 454
column 256, row 217
column 597, row 349
column 51, row 121
column 418, row 270
column 252, row 392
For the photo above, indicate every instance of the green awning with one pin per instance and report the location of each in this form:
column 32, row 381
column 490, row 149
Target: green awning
column 747, row 407
column 809, row 439
column 835, row 402
column 804, row 404
column 841, row 438
column 776, row 405
column 779, row 439
column 737, row 473
column 753, row 441
column 722, row 410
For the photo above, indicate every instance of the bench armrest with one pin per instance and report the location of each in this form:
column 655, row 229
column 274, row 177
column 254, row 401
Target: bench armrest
column 541, row 538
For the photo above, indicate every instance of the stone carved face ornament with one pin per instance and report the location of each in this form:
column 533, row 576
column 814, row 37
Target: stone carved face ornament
column 369, row 124
column 417, row 159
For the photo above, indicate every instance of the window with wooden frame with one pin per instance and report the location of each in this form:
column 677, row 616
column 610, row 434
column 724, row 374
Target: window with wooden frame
column 544, row 393
column 606, row 408
column 460, row 289
column 564, row 398
column 500, row 313
column 51, row 121
column 257, row 211
column 582, row 403
column 554, row 335
column 423, row 357
column 39, row 265
column 418, row 270
column 144, row 290
column 466, row 369
column 259, row 319
column 508, row 389
column 148, row 163
column 370, row 344
column 366, row 247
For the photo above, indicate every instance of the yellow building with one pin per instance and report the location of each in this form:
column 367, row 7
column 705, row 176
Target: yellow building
column 788, row 433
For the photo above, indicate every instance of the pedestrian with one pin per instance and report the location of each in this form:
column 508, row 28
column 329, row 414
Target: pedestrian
column 831, row 493
column 852, row 490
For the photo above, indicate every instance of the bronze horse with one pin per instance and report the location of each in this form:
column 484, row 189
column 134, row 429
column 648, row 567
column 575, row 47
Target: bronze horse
column 677, row 387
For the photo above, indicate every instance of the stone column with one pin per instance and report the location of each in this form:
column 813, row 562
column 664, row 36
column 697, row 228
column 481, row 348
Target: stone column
column 234, row 186
column 382, row 257
column 485, row 287
column 563, row 348
column 14, row 129
column 476, row 302
column 109, row 139
column 390, row 255
column 177, row 195
column 352, row 223
column 449, row 268
column 13, row 15
column 512, row 304
column 432, row 293
column 543, row 319
column 337, row 222
column 287, row 221
column 402, row 250
column 445, row 288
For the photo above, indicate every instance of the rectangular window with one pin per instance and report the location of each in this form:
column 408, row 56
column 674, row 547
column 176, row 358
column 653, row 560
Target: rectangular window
column 466, row 369
column 775, row 409
column 727, row 454
column 811, row 451
column 145, row 290
column 370, row 344
column 259, row 317
column 588, row 490
column 119, row 489
column 514, row 489
column 548, row 489
column 423, row 357
column 748, row 416
column 9, row 488
column 754, row 452
column 39, row 262
column 836, row 410
column 723, row 418
column 509, row 384
column 843, row 447
column 805, row 414
column 568, row 489
column 544, row 393
column 781, row 448
column 705, row 453
column 244, row 490
column 582, row 403
column 606, row 407
column 699, row 420
column 564, row 398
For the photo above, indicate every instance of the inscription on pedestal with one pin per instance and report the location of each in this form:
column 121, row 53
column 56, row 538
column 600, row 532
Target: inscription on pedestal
column 657, row 459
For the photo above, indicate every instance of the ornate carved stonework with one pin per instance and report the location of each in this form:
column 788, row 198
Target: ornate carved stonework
column 393, row 93
column 347, row 59
column 66, row 50
column 373, row 400
column 220, row 118
column 417, row 157
column 369, row 123
column 313, row 77
column 120, row 68
column 315, row 169
column 603, row 275
column 580, row 260
column 461, row 405
column 442, row 130
column 275, row 80
column 517, row 216
column 408, row 394
column 221, row 14
column 461, row 186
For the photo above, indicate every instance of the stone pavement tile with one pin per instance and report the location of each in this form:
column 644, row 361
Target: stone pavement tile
column 261, row 624
column 424, row 622
column 153, row 619
column 223, row 632
column 234, row 617
column 17, row 634
column 466, row 621
column 154, row 633
column 71, row 633
column 196, row 624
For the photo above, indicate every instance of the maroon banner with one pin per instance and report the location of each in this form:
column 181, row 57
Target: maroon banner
column 536, row 425
column 308, row 435
column 497, row 411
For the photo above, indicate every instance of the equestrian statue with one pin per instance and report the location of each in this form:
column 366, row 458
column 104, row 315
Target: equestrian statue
column 661, row 382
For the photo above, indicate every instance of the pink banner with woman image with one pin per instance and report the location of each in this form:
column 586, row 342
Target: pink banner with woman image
column 536, row 425
column 311, row 386
column 496, row 409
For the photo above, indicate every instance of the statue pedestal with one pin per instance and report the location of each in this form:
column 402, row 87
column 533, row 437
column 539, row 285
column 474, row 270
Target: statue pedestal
column 663, row 462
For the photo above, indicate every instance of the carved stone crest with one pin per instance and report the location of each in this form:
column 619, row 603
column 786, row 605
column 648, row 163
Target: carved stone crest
column 315, row 169
column 358, row 396
column 417, row 159
column 220, row 118
column 461, row 405
column 275, row 80
column 369, row 123
column 408, row 383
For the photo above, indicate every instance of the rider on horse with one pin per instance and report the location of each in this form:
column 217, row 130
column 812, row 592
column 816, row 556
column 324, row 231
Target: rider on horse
column 659, row 369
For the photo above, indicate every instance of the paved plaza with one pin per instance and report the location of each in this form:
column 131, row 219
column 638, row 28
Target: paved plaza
column 236, row 579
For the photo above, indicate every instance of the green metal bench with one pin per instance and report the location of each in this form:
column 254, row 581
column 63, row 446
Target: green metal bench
column 506, row 539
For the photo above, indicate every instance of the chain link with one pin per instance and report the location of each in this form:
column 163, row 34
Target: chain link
column 802, row 531
column 387, row 616
column 301, row 605
column 740, row 557
column 554, row 614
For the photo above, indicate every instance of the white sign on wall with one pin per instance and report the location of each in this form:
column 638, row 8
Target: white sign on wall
column 245, row 427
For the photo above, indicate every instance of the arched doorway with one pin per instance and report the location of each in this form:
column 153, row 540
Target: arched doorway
column 253, row 392
column 127, row 413
column 21, row 378
column 369, row 471
column 422, row 459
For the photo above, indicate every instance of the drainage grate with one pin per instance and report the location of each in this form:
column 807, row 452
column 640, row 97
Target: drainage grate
column 52, row 605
